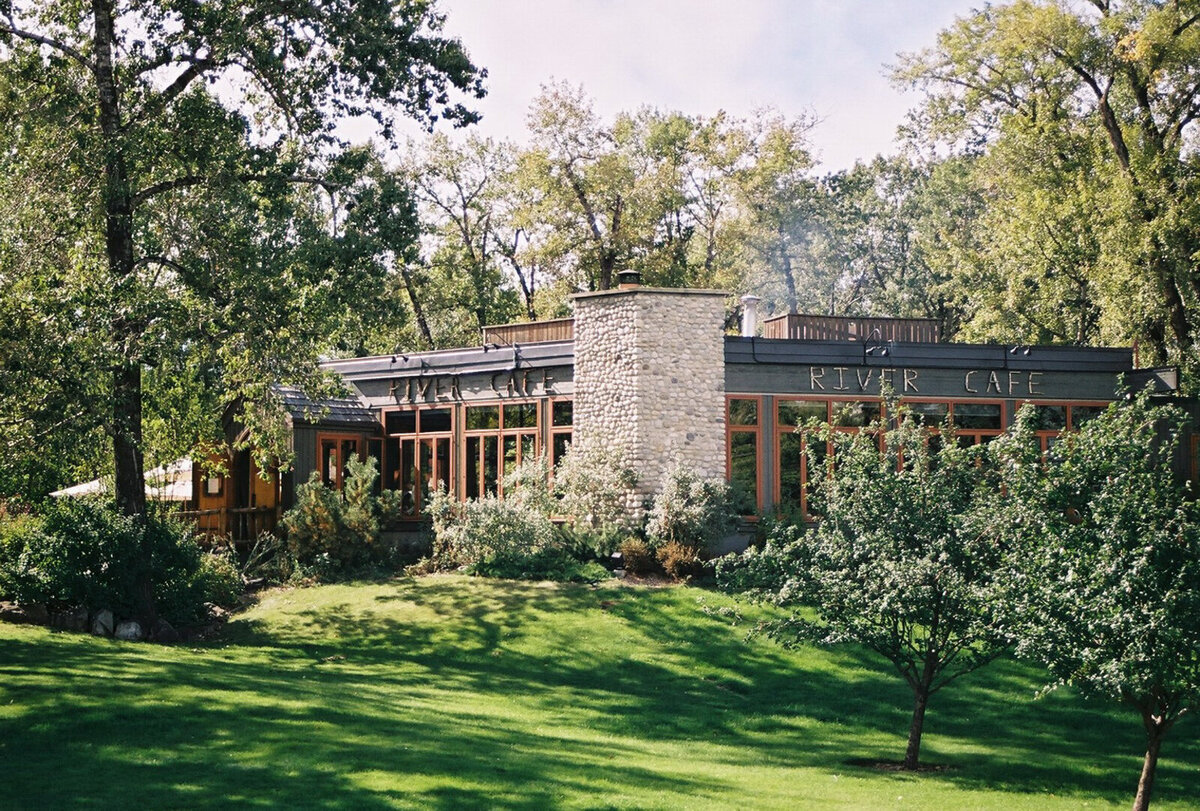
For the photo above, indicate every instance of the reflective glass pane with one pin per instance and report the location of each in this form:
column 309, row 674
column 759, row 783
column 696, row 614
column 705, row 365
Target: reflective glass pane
column 856, row 415
column 791, row 481
column 561, row 443
column 978, row 415
column 929, row 413
column 743, row 412
column 391, row 464
column 408, row 477
column 443, row 463
column 563, row 412
column 400, row 422
column 482, row 418
column 743, row 463
column 435, row 420
column 472, row 472
column 427, row 480
column 491, row 464
column 520, row 415
column 797, row 412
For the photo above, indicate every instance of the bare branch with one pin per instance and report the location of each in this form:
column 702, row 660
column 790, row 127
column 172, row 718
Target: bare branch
column 30, row 36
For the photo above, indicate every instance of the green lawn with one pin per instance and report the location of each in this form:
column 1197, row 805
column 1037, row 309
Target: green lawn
column 452, row 692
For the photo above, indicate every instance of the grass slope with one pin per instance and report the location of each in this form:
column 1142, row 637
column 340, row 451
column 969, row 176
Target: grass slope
column 448, row 692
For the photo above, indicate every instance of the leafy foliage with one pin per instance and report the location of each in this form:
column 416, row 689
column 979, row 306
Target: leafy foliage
column 690, row 511
column 332, row 534
column 487, row 532
column 1083, row 122
column 592, row 483
column 896, row 563
column 82, row 553
column 1102, row 581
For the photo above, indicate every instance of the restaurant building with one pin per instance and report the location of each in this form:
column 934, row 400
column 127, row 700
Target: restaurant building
column 651, row 373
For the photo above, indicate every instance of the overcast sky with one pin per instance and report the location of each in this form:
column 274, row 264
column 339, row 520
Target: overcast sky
column 700, row 56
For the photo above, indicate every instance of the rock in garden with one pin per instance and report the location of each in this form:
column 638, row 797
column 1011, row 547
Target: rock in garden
column 129, row 630
column 103, row 623
column 29, row 614
column 164, row 633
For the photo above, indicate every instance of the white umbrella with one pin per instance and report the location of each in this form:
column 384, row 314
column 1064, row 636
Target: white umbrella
column 170, row 482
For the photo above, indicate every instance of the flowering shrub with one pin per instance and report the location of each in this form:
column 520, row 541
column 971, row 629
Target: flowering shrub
column 691, row 511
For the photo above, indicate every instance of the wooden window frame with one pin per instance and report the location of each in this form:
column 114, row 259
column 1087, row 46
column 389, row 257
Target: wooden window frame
column 500, row 433
column 756, row 430
column 558, row 430
column 418, row 437
column 360, row 443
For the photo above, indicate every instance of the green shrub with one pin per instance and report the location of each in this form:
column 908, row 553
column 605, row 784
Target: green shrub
column 85, row 553
column 221, row 579
column 486, row 531
column 554, row 564
column 591, row 484
column 692, row 511
column 331, row 534
column 586, row 543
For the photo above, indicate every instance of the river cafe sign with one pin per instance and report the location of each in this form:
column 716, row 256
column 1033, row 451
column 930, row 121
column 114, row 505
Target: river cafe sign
column 832, row 379
column 501, row 385
column 859, row 380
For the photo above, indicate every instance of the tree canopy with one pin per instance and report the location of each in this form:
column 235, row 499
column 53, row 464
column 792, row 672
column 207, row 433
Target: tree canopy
column 1102, row 577
column 178, row 199
column 896, row 563
column 1083, row 116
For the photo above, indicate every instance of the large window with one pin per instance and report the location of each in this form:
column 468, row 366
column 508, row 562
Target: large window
column 562, row 421
column 743, row 457
column 498, row 438
column 416, row 456
column 1050, row 420
column 794, row 444
column 334, row 452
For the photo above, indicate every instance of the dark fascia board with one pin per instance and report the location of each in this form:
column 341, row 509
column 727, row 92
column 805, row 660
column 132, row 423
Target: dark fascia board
column 1161, row 379
column 472, row 360
column 927, row 355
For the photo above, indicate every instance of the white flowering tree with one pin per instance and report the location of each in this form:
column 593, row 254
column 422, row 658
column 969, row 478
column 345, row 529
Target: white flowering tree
column 897, row 563
column 1103, row 578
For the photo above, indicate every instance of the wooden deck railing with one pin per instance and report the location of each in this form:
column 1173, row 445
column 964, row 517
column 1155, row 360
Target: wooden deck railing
column 849, row 328
column 236, row 523
column 557, row 329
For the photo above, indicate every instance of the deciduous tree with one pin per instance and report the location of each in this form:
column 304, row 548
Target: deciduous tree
column 1090, row 110
column 205, row 202
column 1103, row 569
column 896, row 563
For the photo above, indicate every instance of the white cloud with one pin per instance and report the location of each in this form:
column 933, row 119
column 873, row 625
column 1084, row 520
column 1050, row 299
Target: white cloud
column 699, row 56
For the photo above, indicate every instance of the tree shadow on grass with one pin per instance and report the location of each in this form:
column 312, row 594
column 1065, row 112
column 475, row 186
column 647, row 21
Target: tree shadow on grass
column 755, row 697
column 433, row 684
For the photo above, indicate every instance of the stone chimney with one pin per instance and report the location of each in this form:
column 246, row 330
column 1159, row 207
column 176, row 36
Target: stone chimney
column 650, row 379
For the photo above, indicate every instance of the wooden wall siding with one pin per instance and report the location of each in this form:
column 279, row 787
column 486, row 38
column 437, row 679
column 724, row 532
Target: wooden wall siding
column 841, row 328
column 558, row 329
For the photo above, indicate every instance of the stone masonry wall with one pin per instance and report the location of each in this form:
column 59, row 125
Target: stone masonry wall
column 650, row 380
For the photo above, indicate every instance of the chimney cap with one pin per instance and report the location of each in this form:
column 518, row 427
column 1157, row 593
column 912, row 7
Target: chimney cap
column 628, row 278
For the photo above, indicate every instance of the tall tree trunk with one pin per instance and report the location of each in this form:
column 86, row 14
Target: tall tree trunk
column 418, row 311
column 1155, row 730
column 126, row 425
